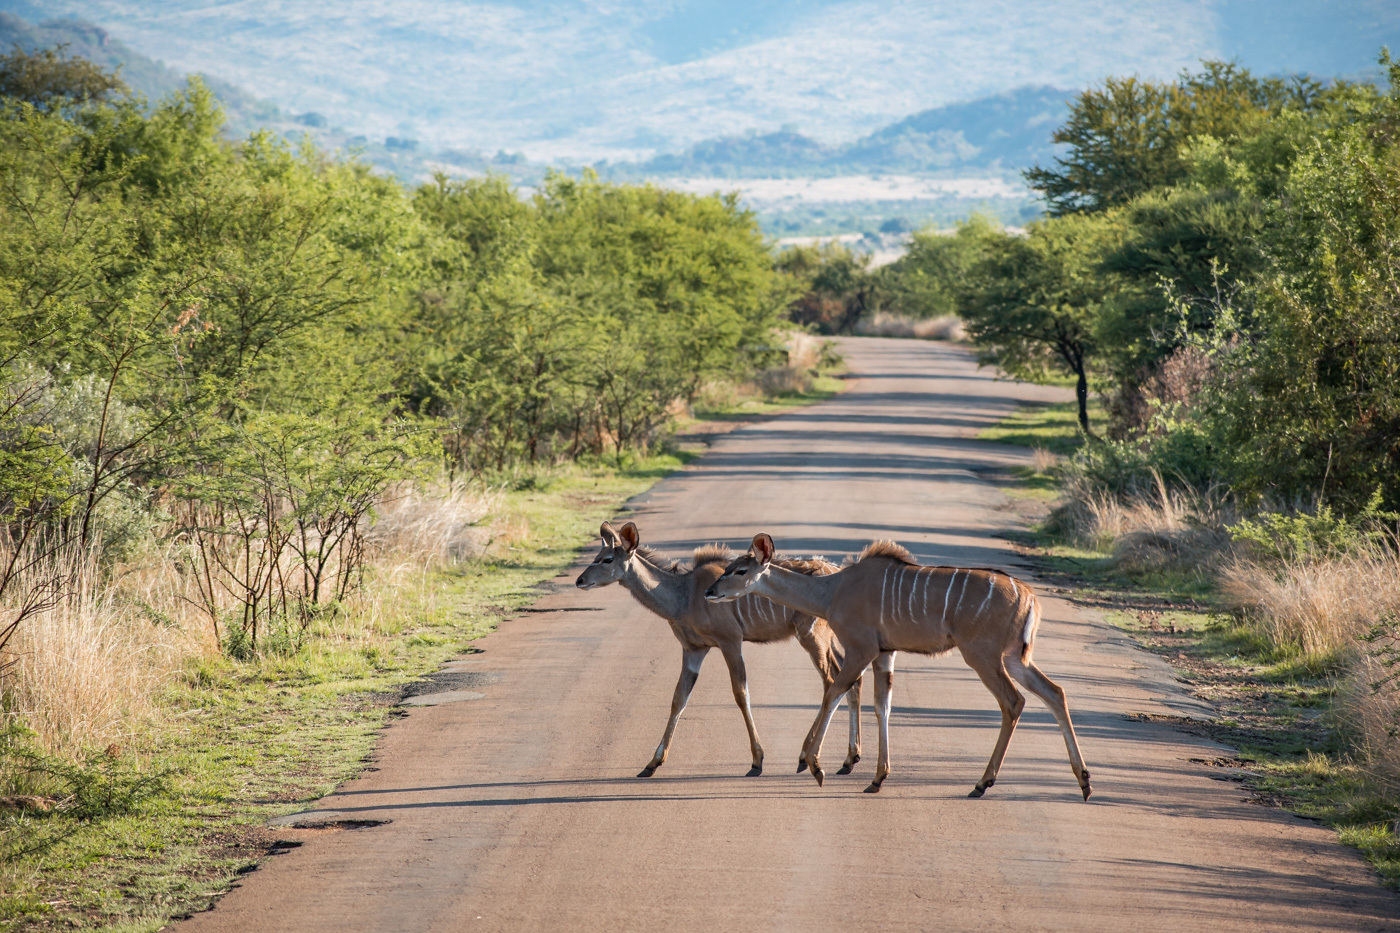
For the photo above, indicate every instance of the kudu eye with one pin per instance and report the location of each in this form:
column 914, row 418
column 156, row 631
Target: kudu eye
column 741, row 572
column 607, row 560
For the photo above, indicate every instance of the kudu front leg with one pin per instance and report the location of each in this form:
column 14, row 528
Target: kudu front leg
column 884, row 691
column 853, row 736
column 738, row 679
column 851, row 670
column 690, row 672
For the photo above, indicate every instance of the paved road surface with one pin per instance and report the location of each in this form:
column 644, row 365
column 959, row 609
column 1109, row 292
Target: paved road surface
column 519, row 810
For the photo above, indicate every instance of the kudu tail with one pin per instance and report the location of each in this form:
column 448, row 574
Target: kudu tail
column 1032, row 623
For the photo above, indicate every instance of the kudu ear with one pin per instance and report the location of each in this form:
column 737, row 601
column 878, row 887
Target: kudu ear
column 608, row 535
column 630, row 538
column 763, row 547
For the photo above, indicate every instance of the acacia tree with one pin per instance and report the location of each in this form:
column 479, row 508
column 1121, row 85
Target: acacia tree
column 1130, row 136
column 1032, row 302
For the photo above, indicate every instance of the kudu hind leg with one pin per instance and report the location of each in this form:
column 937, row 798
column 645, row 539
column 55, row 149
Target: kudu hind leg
column 690, row 672
column 820, row 646
column 1034, row 680
column 1011, row 702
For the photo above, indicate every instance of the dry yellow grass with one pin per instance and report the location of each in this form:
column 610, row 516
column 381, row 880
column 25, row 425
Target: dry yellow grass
column 86, row 673
column 886, row 324
column 1153, row 529
column 1322, row 606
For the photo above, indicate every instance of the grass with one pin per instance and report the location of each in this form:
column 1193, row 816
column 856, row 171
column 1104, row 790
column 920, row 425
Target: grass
column 1279, row 705
column 183, row 802
column 240, row 742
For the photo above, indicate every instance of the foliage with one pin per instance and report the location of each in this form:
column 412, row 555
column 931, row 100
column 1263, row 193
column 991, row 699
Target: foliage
column 836, row 288
column 1032, row 302
column 1130, row 136
column 927, row 281
column 49, row 79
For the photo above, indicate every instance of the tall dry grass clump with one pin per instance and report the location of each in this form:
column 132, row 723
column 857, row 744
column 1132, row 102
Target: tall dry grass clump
column 434, row 525
column 86, row 672
column 888, row 324
column 1151, row 528
column 1321, row 605
column 1368, row 704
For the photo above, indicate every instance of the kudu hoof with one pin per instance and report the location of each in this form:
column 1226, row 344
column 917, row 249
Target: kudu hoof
column 648, row 771
column 755, row 771
column 846, row 768
column 819, row 774
column 874, row 788
column 1086, row 790
column 801, row 765
column 980, row 789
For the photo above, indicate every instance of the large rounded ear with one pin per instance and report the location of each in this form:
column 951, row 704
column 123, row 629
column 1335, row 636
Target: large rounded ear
column 763, row 547
column 629, row 537
column 608, row 535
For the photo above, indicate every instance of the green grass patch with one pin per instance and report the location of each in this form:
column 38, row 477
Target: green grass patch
column 242, row 741
column 1052, row 426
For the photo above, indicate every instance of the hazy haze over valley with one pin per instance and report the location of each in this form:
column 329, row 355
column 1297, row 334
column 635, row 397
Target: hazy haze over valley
column 576, row 80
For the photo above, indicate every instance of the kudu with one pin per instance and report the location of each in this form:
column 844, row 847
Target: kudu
column 676, row 594
column 885, row 602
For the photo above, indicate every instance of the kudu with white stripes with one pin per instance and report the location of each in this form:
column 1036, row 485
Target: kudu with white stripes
column 676, row 593
column 886, row 602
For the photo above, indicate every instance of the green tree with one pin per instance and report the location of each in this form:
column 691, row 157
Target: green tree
column 927, row 281
column 1032, row 303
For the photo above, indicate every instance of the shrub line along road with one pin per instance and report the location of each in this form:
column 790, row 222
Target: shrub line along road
column 514, row 806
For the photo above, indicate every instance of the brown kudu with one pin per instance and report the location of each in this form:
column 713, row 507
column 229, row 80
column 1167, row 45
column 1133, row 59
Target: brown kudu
column 885, row 602
column 677, row 593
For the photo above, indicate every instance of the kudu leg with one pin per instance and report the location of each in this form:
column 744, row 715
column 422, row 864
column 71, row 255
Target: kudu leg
column 853, row 736
column 1034, row 680
column 852, row 668
column 690, row 672
column 1011, row 703
column 884, row 690
column 827, row 660
column 738, row 679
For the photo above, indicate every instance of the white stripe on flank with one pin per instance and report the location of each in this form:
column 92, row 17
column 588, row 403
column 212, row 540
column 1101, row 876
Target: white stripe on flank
column 962, row 592
column 911, row 595
column 949, row 591
column 928, row 576
column 1015, row 589
column 991, row 585
column 1029, row 630
column 883, row 581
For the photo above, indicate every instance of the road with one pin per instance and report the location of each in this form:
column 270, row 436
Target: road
column 516, row 806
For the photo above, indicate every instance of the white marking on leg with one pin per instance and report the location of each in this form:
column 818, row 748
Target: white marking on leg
column 949, row 592
column 991, row 586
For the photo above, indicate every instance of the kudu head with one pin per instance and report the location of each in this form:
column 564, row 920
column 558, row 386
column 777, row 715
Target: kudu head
column 743, row 571
column 611, row 563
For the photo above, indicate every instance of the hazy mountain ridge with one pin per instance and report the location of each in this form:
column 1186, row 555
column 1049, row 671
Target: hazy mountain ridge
column 998, row 135
column 582, row 80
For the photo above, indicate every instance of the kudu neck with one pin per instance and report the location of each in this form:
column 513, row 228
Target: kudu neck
column 800, row 591
column 664, row 593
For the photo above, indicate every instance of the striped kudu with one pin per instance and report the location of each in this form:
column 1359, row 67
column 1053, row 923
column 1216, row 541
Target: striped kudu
column 676, row 594
column 886, row 602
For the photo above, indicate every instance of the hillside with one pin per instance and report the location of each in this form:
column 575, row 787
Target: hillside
column 996, row 135
column 580, row 81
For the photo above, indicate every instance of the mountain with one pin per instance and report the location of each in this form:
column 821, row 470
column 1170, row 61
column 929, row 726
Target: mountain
column 996, row 135
column 582, row 80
